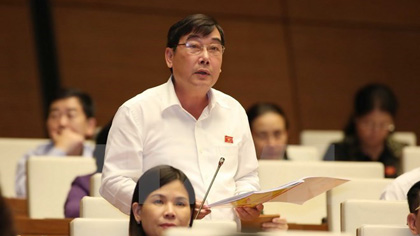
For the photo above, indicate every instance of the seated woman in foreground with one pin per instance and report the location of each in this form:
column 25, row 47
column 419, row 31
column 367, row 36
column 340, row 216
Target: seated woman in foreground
column 166, row 199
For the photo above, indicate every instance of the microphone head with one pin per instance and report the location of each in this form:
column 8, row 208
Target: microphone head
column 221, row 161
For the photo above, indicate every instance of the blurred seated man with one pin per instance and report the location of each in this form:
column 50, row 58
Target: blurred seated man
column 80, row 186
column 367, row 134
column 397, row 189
column 70, row 122
column 413, row 198
column 269, row 128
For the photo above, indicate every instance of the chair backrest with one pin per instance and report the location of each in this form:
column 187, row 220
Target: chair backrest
column 98, row 207
column 384, row 230
column 184, row 231
column 321, row 139
column 11, row 150
column 200, row 232
column 102, row 227
column 406, row 137
column 205, row 228
column 354, row 189
column 302, row 233
column 410, row 158
column 355, row 213
column 302, row 153
column 194, row 232
column 222, row 225
column 49, row 180
column 273, row 173
column 112, row 227
column 95, row 184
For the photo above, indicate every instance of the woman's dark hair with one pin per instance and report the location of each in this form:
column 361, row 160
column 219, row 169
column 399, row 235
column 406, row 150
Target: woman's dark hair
column 413, row 197
column 84, row 99
column 369, row 98
column 152, row 180
column 262, row 108
column 197, row 23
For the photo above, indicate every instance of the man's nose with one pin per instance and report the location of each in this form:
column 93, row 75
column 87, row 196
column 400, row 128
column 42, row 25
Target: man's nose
column 63, row 121
column 204, row 56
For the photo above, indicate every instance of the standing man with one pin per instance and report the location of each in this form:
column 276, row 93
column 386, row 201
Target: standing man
column 185, row 123
column 70, row 122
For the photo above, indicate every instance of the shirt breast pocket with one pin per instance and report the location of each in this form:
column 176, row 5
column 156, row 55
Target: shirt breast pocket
column 230, row 153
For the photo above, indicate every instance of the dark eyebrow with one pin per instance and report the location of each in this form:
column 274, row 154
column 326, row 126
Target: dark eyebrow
column 163, row 196
column 157, row 195
column 196, row 36
column 71, row 109
column 182, row 198
column 67, row 110
column 218, row 40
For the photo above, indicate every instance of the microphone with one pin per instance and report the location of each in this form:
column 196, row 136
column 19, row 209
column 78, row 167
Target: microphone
column 221, row 161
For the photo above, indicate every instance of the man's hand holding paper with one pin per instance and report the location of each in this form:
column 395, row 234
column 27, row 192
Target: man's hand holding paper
column 249, row 213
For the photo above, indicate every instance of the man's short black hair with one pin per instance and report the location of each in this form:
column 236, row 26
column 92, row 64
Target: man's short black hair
column 84, row 99
column 413, row 197
column 198, row 23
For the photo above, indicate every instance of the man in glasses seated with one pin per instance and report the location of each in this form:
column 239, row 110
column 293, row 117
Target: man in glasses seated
column 70, row 122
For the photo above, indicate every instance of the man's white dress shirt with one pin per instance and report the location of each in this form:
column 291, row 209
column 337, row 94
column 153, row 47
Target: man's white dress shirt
column 398, row 189
column 153, row 129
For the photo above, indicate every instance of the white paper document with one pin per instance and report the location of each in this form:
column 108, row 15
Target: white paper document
column 297, row 192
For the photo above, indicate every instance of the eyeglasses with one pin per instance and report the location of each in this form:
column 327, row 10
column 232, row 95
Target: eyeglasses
column 380, row 126
column 195, row 48
column 417, row 209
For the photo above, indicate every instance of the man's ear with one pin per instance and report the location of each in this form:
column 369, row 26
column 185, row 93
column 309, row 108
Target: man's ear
column 169, row 55
column 411, row 222
column 136, row 208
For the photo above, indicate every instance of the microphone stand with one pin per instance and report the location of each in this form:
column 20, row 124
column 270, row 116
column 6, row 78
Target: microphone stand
column 221, row 161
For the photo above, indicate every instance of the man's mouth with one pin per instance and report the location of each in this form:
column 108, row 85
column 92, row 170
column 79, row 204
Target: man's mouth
column 202, row 72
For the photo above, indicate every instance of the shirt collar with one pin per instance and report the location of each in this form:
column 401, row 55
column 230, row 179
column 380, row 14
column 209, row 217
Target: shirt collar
column 87, row 148
column 171, row 99
column 216, row 99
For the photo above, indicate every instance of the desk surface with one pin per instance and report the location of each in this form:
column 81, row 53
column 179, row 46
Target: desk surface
column 26, row 226
column 18, row 206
